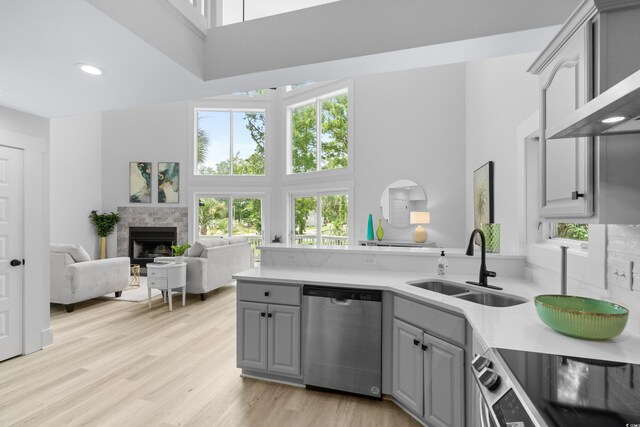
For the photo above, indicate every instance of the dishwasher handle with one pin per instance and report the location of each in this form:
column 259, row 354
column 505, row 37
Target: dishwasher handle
column 340, row 301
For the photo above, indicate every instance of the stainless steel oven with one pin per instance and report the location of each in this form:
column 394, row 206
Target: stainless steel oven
column 523, row 389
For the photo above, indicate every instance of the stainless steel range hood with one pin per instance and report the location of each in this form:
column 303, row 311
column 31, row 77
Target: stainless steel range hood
column 622, row 100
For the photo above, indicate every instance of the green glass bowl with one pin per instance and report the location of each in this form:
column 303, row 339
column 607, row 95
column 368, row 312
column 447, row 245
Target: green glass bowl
column 580, row 317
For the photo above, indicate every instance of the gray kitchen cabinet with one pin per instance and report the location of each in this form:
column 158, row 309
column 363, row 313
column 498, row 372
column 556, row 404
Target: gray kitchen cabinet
column 408, row 366
column 268, row 332
column 428, row 375
column 588, row 179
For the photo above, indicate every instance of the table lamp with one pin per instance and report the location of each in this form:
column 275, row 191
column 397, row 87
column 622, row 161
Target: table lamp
column 419, row 234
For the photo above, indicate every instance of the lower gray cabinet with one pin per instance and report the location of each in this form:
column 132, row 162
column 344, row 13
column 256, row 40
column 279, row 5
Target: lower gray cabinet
column 269, row 338
column 428, row 375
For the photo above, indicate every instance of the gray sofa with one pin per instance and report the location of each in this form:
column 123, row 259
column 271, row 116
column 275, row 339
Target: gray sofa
column 75, row 277
column 211, row 262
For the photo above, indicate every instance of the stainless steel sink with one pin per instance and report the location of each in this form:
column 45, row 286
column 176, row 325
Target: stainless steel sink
column 440, row 287
column 492, row 300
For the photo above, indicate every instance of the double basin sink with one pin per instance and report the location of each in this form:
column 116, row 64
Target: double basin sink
column 473, row 294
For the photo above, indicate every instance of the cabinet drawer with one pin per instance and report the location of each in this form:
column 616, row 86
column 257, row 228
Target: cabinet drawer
column 440, row 323
column 157, row 282
column 157, row 272
column 264, row 292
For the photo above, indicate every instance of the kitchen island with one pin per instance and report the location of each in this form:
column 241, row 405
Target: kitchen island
column 456, row 328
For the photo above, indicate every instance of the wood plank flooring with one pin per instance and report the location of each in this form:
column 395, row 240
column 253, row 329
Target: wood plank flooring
column 122, row 364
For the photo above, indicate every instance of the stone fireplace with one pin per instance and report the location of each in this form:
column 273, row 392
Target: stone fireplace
column 169, row 224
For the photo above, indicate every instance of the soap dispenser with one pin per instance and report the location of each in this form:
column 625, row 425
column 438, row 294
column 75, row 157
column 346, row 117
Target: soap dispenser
column 442, row 264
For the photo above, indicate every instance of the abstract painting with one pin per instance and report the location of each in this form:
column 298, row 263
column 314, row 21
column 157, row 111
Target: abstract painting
column 483, row 195
column 140, row 182
column 168, row 182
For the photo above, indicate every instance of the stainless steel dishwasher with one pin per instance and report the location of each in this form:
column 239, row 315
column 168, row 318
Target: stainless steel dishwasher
column 342, row 344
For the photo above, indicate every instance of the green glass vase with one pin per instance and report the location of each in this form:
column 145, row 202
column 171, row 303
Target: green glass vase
column 380, row 230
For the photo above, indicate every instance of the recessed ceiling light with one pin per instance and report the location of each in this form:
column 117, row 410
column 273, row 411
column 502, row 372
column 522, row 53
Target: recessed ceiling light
column 615, row 119
column 90, row 69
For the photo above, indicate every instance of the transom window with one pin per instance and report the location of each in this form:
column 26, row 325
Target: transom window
column 318, row 134
column 562, row 230
column 230, row 142
column 320, row 219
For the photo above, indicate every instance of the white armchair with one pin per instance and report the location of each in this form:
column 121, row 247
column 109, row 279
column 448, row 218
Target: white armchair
column 75, row 277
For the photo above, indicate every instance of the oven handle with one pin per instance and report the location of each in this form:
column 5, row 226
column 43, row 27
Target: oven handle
column 485, row 415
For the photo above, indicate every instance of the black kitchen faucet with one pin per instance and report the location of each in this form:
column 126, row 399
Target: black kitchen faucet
column 484, row 273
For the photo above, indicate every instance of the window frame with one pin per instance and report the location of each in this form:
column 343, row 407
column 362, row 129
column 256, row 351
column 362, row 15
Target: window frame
column 231, row 112
column 318, row 191
column 203, row 193
column 227, row 103
column 316, row 93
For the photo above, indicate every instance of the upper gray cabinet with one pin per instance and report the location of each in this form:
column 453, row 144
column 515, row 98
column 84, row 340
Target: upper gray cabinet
column 588, row 179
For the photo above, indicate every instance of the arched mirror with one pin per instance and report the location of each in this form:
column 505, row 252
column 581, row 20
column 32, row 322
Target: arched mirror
column 400, row 198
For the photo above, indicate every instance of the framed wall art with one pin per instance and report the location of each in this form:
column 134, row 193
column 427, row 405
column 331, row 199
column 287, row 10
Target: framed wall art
column 168, row 182
column 140, row 182
column 483, row 195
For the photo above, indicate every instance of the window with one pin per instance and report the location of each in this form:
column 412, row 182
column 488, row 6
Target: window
column 230, row 142
column 318, row 134
column 320, row 219
column 561, row 230
column 215, row 218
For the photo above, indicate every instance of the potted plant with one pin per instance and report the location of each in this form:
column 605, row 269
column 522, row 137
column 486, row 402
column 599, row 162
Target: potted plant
column 105, row 224
column 178, row 252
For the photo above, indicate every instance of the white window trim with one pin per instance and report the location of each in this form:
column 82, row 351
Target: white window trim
column 202, row 192
column 294, row 99
column 230, row 104
column 584, row 265
column 316, row 191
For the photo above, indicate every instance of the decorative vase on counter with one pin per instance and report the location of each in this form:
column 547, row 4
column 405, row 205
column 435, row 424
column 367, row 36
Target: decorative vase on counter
column 370, row 228
column 380, row 231
column 491, row 236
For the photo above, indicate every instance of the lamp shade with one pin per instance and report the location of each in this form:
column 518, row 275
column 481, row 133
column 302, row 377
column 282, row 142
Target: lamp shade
column 416, row 217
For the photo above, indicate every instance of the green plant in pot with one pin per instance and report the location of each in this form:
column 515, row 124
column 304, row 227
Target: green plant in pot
column 178, row 252
column 105, row 224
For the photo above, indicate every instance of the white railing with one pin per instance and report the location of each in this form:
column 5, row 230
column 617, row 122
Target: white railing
column 304, row 239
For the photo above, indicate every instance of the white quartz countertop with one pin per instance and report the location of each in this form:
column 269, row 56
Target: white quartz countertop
column 517, row 327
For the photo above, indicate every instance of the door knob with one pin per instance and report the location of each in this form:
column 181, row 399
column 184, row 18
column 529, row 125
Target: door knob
column 15, row 262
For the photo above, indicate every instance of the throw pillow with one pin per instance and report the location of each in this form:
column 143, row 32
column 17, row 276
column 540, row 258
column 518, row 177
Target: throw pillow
column 196, row 249
column 77, row 252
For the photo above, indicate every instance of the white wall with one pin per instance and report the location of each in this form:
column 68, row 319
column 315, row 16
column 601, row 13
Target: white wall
column 31, row 134
column 500, row 95
column 410, row 125
column 406, row 125
column 157, row 133
column 76, row 179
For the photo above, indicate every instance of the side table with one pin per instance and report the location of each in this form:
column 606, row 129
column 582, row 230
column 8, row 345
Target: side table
column 167, row 276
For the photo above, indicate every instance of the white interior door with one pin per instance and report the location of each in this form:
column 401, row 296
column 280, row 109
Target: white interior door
column 11, row 190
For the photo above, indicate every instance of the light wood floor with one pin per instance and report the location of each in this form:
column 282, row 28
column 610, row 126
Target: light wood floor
column 121, row 364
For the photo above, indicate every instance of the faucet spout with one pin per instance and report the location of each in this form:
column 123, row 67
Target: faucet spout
column 484, row 273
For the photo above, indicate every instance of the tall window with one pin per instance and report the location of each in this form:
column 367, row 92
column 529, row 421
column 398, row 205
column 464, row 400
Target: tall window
column 231, row 216
column 230, row 142
column 318, row 133
column 320, row 219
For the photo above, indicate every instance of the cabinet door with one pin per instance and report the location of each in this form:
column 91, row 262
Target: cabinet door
column 252, row 335
column 284, row 339
column 408, row 374
column 566, row 164
column 443, row 383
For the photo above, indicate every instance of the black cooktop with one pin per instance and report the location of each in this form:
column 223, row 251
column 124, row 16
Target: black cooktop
column 572, row 391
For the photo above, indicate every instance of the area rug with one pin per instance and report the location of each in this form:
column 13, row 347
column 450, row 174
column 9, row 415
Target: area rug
column 134, row 294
